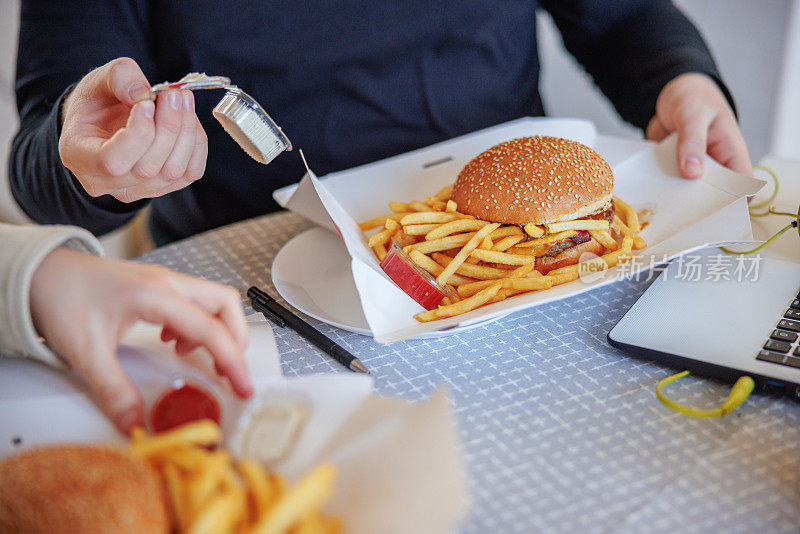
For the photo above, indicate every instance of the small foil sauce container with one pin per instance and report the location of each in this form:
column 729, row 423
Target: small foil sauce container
column 250, row 126
column 238, row 113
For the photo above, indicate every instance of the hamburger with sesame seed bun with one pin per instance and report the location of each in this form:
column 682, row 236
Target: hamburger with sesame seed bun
column 540, row 180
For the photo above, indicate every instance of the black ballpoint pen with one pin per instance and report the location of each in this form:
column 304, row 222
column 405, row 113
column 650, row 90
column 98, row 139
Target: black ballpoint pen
column 282, row 317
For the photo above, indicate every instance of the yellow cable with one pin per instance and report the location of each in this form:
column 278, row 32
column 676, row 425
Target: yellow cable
column 772, row 196
column 739, row 393
column 764, row 244
column 770, row 211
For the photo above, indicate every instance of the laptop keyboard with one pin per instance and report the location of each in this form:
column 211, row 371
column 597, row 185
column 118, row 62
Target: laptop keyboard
column 782, row 346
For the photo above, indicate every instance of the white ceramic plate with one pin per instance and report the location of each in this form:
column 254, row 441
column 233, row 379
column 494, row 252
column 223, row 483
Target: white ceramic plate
column 312, row 272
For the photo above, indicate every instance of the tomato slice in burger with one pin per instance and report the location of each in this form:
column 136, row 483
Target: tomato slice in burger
column 415, row 281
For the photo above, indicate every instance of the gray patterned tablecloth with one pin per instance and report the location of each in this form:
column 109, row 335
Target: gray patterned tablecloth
column 560, row 431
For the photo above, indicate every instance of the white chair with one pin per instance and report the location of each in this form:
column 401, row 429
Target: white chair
column 9, row 29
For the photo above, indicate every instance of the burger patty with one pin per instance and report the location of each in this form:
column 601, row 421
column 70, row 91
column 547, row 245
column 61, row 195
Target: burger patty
column 582, row 236
column 560, row 246
column 605, row 215
column 570, row 256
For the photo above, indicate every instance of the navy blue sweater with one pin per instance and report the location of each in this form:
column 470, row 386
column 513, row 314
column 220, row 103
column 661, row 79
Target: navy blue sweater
column 349, row 81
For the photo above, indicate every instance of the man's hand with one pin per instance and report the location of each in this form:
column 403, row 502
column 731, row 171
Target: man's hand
column 693, row 105
column 83, row 306
column 117, row 142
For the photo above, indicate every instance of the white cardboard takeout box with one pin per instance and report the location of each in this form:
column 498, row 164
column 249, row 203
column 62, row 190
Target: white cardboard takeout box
column 686, row 214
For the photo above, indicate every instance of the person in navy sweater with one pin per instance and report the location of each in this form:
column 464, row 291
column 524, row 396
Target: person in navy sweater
column 349, row 81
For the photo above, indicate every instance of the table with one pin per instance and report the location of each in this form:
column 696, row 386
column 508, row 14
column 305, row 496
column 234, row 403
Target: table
column 560, row 431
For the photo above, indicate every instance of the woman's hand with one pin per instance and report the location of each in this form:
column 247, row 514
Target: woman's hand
column 83, row 305
column 117, row 142
column 693, row 105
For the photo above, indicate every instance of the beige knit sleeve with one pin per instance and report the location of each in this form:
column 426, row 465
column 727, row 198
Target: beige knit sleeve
column 22, row 249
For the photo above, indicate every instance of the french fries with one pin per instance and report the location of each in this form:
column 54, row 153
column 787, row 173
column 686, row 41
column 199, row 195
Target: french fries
column 517, row 284
column 309, row 494
column 603, row 262
column 377, row 222
column 562, row 278
column 399, row 207
column 453, row 227
column 524, row 270
column 203, row 433
column 488, row 262
column 380, row 251
column 631, row 217
column 445, row 193
column 491, row 256
column 533, row 230
column 462, row 306
column 505, row 231
column 262, row 489
column 436, row 269
column 464, row 253
column 435, row 203
column 420, row 229
column 604, row 238
column 382, row 237
column 210, row 493
column 480, row 272
column 444, row 243
column 507, row 242
column 427, row 217
column 217, row 515
column 548, row 239
column 638, row 242
column 419, row 206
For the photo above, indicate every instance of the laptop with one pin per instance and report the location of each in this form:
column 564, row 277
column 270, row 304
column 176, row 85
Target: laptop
column 723, row 315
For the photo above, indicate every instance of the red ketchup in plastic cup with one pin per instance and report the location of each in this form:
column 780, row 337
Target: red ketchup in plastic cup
column 181, row 404
column 411, row 278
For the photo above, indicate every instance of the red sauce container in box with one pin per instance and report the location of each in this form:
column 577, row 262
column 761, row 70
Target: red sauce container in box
column 411, row 278
column 183, row 402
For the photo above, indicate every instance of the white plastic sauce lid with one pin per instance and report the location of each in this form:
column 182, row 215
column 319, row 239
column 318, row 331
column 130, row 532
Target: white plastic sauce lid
column 250, row 126
column 238, row 113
